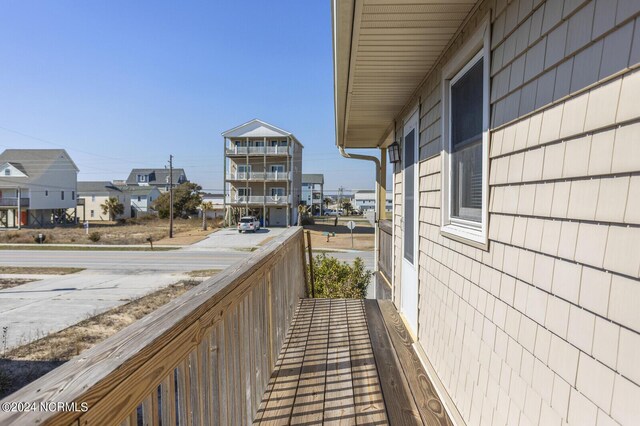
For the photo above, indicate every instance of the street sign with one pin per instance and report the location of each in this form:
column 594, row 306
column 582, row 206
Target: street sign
column 351, row 224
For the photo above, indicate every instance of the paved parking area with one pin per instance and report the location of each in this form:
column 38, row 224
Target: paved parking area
column 231, row 239
column 33, row 310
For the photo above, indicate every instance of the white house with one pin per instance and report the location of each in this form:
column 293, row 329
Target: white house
column 365, row 199
column 218, row 205
column 313, row 192
column 92, row 195
column 141, row 198
column 38, row 186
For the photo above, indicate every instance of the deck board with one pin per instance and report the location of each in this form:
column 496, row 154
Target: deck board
column 339, row 365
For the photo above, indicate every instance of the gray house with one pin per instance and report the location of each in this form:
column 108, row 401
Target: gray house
column 313, row 192
column 159, row 178
column 37, row 187
column 512, row 252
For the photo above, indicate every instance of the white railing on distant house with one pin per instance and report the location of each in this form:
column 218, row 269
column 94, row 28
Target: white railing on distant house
column 258, row 176
column 13, row 202
column 258, row 150
column 259, row 199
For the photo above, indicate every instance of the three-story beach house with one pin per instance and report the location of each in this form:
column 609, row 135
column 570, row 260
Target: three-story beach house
column 263, row 173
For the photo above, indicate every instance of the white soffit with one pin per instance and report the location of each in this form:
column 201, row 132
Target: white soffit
column 383, row 49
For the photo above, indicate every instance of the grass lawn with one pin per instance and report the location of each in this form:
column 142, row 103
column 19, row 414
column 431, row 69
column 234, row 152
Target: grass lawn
column 44, row 270
column 87, row 248
column 203, row 273
column 131, row 231
column 6, row 283
column 363, row 236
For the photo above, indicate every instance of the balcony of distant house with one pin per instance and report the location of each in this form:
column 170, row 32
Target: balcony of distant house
column 258, row 200
column 240, row 150
column 259, row 176
column 14, row 202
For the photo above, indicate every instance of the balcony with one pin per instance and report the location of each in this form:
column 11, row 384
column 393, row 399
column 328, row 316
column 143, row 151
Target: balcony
column 258, row 150
column 245, row 347
column 259, row 176
column 270, row 200
column 13, row 202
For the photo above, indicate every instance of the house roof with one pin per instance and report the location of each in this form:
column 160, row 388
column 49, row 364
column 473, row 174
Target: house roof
column 35, row 162
column 316, row 178
column 257, row 128
column 159, row 176
column 96, row 187
column 138, row 190
column 382, row 51
column 18, row 166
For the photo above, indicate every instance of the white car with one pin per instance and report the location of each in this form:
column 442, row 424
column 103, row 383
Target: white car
column 248, row 223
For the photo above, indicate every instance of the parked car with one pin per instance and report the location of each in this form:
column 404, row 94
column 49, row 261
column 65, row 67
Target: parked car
column 248, row 223
column 330, row 212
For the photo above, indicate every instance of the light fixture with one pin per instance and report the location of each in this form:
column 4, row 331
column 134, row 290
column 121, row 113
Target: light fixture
column 394, row 152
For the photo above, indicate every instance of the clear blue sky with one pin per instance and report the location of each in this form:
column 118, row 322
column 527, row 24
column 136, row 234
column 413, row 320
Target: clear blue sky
column 123, row 84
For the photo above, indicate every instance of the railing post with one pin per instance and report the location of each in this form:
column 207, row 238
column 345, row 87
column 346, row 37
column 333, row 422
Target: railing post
column 312, row 276
column 19, row 209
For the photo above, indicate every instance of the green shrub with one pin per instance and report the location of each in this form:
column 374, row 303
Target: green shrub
column 94, row 236
column 335, row 279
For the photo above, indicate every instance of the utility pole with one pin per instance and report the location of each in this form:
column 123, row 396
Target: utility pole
column 170, row 196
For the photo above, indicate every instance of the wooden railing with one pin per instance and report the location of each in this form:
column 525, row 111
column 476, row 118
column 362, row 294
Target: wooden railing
column 203, row 358
column 385, row 258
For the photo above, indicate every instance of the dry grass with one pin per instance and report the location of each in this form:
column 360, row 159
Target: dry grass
column 363, row 236
column 24, row 364
column 132, row 231
column 203, row 273
column 6, row 283
column 48, row 270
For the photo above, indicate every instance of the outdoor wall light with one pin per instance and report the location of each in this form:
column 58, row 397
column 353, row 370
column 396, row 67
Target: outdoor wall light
column 394, row 152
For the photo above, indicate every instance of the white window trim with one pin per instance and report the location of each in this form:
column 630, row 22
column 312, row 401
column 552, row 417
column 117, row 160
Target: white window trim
column 478, row 45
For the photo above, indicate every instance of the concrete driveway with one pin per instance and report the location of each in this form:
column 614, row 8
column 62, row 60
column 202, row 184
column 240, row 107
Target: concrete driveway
column 33, row 310
column 230, row 239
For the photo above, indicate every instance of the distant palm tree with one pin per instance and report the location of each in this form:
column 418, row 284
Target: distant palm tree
column 204, row 206
column 113, row 207
column 327, row 201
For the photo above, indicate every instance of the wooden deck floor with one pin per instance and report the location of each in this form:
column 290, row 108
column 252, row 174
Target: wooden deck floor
column 339, row 365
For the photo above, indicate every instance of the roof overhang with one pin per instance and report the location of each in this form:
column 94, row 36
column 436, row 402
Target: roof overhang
column 382, row 51
column 258, row 128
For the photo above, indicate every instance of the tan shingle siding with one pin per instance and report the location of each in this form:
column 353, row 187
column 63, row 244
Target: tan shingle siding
column 508, row 329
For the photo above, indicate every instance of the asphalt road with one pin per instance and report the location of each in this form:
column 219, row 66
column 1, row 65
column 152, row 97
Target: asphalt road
column 174, row 260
